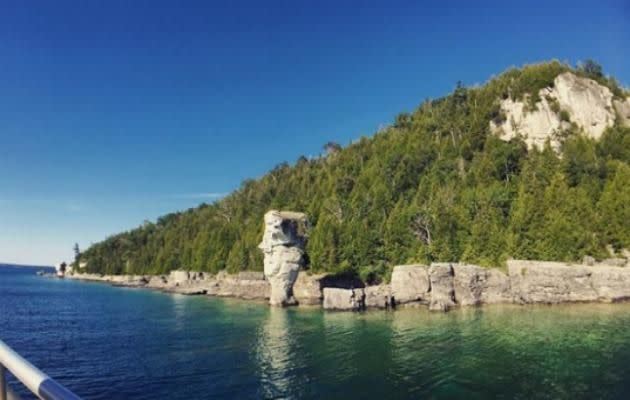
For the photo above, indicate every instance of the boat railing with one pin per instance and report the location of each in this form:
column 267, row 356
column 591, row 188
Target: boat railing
column 40, row 384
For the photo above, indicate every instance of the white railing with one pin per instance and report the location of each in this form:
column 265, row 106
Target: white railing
column 35, row 380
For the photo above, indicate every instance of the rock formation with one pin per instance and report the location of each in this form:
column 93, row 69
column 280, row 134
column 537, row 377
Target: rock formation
column 307, row 289
column 339, row 299
column 245, row 285
column 442, row 288
column 410, row 283
column 554, row 282
column 378, row 296
column 444, row 285
column 178, row 277
column 475, row 285
column 283, row 247
column 584, row 101
column 550, row 282
column 623, row 110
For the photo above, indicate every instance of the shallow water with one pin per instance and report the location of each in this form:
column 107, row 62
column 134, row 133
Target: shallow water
column 119, row 343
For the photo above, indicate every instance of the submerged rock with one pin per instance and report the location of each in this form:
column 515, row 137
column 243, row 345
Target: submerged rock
column 283, row 247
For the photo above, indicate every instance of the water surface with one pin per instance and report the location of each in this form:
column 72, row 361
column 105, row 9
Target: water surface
column 119, row 343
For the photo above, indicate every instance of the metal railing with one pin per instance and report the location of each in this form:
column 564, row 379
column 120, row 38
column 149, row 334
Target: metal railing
column 35, row 380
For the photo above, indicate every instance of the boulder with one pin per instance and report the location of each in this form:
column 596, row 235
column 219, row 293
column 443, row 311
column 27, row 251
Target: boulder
column 442, row 289
column 377, row 296
column 475, row 285
column 410, row 283
column 341, row 299
column 283, row 244
column 307, row 289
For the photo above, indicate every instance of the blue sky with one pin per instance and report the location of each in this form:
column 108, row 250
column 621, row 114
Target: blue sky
column 114, row 112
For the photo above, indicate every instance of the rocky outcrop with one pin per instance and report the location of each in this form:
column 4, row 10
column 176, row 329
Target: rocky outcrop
column 442, row 285
column 446, row 285
column 553, row 282
column 379, row 296
column 283, row 247
column 243, row 286
column 611, row 283
column 157, row 281
column 623, row 111
column 475, row 285
column 410, row 283
column 550, row 282
column 178, row 277
column 572, row 99
column 442, row 288
column 357, row 299
column 339, row 299
column 307, row 289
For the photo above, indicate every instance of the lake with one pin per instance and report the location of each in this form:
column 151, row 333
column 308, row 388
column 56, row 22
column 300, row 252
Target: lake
column 120, row 343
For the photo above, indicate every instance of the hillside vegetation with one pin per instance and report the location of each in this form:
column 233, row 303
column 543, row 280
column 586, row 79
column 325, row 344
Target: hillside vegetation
column 436, row 185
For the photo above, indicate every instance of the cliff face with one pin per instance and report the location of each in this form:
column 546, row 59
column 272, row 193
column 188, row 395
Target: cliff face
column 571, row 100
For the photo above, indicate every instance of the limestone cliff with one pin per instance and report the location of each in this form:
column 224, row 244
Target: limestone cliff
column 571, row 100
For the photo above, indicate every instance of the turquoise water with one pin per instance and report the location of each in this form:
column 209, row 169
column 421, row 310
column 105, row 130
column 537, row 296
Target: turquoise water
column 119, row 343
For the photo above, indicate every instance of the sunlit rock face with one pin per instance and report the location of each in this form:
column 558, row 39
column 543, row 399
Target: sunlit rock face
column 475, row 285
column 178, row 277
column 556, row 282
column 307, row 289
column 340, row 299
column 410, row 283
column 442, row 288
column 586, row 103
column 623, row 110
column 283, row 247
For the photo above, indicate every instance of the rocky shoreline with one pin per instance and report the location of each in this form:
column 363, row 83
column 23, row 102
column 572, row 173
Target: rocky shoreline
column 439, row 286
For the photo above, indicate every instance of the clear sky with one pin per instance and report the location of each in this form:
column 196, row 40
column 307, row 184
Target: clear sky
column 114, row 112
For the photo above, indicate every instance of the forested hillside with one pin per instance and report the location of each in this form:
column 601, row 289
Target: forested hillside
column 436, row 185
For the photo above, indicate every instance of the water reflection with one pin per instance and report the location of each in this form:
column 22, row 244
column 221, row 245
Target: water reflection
column 180, row 310
column 275, row 354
